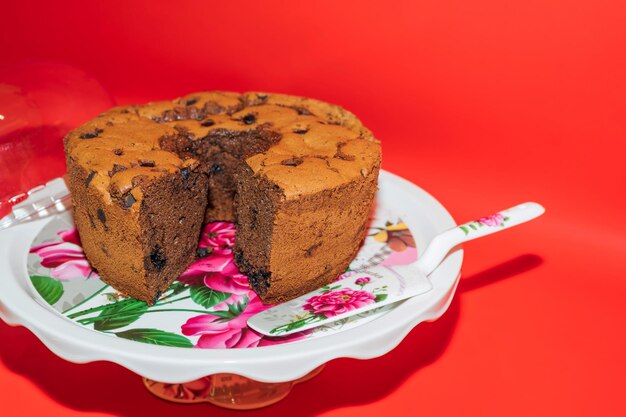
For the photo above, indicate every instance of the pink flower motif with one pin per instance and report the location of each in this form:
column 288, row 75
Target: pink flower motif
column 218, row 272
column 65, row 257
column 362, row 281
column 220, row 236
column 332, row 303
column 216, row 333
column 493, row 220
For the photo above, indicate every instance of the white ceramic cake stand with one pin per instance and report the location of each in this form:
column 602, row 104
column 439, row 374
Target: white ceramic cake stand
column 237, row 378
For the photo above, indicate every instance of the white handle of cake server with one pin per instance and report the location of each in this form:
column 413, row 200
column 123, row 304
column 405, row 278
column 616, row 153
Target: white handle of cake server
column 484, row 226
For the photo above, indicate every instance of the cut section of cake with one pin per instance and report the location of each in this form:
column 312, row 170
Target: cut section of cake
column 297, row 176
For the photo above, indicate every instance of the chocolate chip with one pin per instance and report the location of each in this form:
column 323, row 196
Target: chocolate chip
column 292, row 162
column 128, row 200
column 118, row 152
column 91, row 134
column 191, row 102
column 203, row 252
column 117, row 168
column 249, row 119
column 185, row 173
column 343, row 156
column 262, row 96
column 302, row 111
column 158, row 259
column 300, row 131
column 93, row 224
column 146, row 163
column 101, row 216
column 207, row 123
column 89, row 178
column 215, row 168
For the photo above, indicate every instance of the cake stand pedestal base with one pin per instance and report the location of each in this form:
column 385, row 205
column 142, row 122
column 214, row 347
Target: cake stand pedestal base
column 226, row 390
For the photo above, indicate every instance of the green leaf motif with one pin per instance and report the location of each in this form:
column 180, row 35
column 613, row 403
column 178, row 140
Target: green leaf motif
column 48, row 288
column 473, row 226
column 119, row 314
column 297, row 324
column 465, row 230
column 238, row 308
column 233, row 311
column 327, row 288
column 177, row 288
column 380, row 297
column 207, row 297
column 155, row 337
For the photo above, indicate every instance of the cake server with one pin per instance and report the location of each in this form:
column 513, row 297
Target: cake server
column 364, row 290
column 42, row 201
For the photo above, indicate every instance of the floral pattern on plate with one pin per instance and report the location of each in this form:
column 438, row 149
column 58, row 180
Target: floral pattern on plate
column 206, row 307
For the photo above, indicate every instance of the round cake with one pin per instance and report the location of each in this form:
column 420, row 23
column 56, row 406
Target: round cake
column 297, row 176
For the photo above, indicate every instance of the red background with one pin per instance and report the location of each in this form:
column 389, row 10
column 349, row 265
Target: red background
column 485, row 104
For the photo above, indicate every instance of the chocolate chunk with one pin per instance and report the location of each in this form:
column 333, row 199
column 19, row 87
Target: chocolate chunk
column 207, row 123
column 215, row 168
column 340, row 155
column 203, row 252
column 191, row 102
column 249, row 119
column 101, row 216
column 146, row 163
column 118, row 152
column 91, row 222
column 300, row 131
column 158, row 259
column 117, row 168
column 292, row 162
column 259, row 278
column 185, row 173
column 302, row 111
column 89, row 178
column 128, row 200
column 91, row 134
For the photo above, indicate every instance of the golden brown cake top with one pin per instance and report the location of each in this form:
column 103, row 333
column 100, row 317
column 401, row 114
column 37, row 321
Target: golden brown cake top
column 311, row 145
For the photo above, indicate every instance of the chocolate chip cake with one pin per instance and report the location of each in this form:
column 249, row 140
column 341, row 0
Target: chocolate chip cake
column 296, row 175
